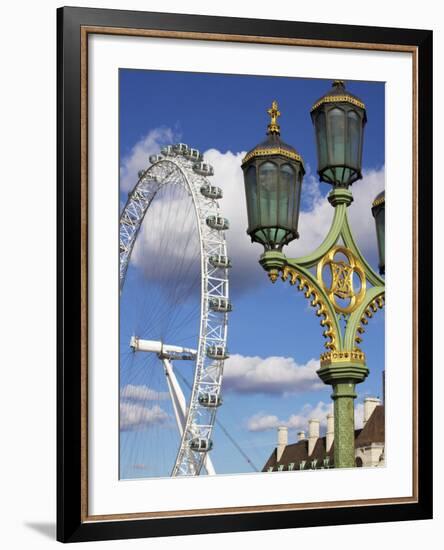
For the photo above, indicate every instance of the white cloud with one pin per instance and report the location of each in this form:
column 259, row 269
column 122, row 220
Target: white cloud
column 138, row 158
column 270, row 375
column 261, row 422
column 134, row 416
column 132, row 392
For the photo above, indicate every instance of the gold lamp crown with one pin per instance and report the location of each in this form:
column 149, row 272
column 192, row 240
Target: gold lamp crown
column 338, row 94
column 273, row 127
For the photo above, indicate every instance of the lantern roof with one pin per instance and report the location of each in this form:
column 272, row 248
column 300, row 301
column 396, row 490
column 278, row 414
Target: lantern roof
column 338, row 94
column 273, row 145
column 379, row 199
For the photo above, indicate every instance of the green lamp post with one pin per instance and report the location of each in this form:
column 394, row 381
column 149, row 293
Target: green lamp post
column 336, row 278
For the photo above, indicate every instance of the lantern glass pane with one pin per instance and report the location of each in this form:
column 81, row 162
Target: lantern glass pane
column 321, row 135
column 287, row 195
column 268, row 184
column 380, row 232
column 297, row 202
column 353, row 138
column 337, row 141
column 251, row 193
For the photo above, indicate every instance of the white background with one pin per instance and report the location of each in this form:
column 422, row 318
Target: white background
column 28, row 107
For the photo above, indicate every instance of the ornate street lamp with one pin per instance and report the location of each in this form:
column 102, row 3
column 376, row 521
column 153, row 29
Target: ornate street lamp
column 378, row 211
column 340, row 284
column 339, row 119
column 273, row 173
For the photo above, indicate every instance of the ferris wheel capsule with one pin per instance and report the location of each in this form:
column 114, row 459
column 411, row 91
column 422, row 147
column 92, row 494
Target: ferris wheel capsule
column 211, row 192
column 181, row 149
column 218, row 222
column 217, row 352
column 220, row 304
column 155, row 158
column 218, row 260
column 194, row 154
column 203, row 168
column 201, row 444
column 168, row 151
column 210, row 400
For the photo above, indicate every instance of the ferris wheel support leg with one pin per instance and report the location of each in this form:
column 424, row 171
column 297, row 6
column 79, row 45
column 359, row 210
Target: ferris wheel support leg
column 179, row 406
column 176, row 394
column 209, row 466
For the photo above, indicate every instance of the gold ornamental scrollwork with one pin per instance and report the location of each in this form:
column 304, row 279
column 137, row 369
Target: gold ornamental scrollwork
column 316, row 302
column 342, row 279
column 370, row 310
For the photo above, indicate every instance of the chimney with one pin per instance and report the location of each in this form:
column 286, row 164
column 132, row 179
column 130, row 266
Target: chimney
column 301, row 436
column 370, row 404
column 282, row 441
column 313, row 434
column 330, row 435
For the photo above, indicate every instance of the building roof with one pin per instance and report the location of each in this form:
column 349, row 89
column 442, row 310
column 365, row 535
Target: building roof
column 374, row 429
column 295, row 453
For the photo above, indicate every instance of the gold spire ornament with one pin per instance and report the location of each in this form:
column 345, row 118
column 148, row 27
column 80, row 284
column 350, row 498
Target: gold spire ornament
column 273, row 127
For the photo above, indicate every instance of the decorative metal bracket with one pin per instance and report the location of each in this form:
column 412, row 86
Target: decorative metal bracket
column 363, row 302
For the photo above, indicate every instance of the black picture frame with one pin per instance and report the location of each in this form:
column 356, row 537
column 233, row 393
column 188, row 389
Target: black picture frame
column 73, row 523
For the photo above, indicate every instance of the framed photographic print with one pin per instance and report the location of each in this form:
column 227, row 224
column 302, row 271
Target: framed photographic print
column 228, row 356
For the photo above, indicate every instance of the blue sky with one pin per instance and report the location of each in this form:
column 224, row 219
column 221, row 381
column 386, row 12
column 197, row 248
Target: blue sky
column 271, row 328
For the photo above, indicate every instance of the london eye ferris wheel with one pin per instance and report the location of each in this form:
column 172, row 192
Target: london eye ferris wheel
column 173, row 315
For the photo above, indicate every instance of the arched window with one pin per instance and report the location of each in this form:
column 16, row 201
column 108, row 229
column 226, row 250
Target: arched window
column 359, row 462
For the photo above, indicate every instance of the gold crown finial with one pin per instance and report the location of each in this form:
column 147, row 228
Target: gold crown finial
column 273, row 127
column 338, row 83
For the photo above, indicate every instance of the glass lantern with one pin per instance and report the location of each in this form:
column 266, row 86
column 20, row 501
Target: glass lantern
column 339, row 119
column 273, row 173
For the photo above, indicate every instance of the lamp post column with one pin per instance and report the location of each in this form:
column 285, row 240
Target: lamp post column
column 343, row 370
column 343, row 398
